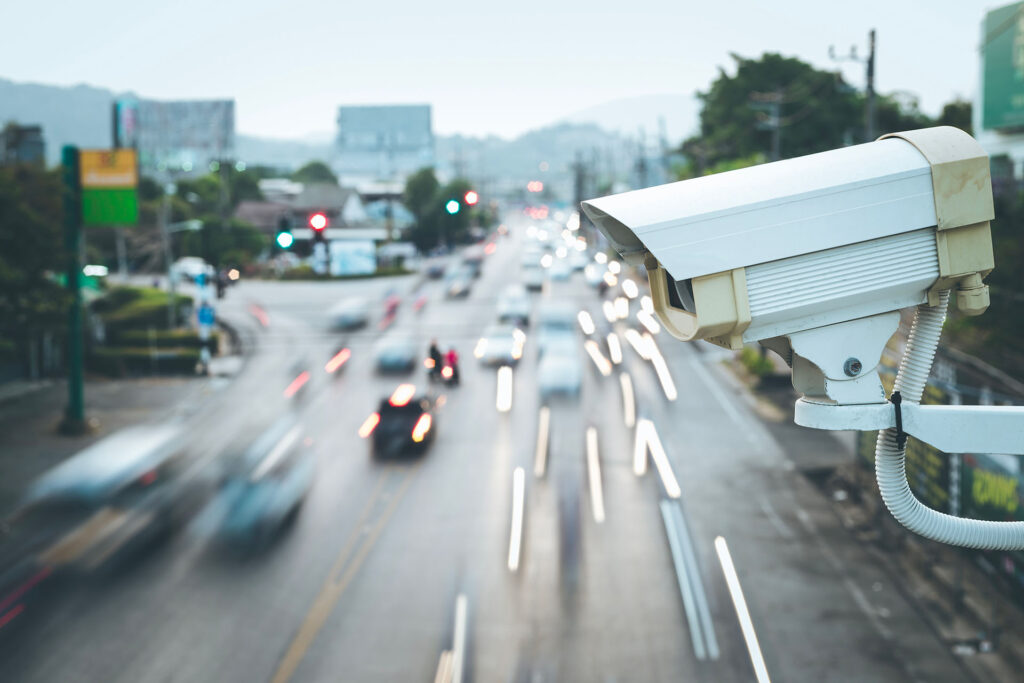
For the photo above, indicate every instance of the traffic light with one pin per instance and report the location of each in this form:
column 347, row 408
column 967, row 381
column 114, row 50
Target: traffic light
column 318, row 223
column 535, row 186
column 452, row 207
column 471, row 198
column 284, row 237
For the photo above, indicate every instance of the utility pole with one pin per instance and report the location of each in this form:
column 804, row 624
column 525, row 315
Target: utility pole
column 165, row 234
column 74, row 417
column 870, row 124
column 870, row 117
column 769, row 105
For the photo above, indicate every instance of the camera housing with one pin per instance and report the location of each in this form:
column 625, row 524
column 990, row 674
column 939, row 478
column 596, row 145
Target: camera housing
column 765, row 251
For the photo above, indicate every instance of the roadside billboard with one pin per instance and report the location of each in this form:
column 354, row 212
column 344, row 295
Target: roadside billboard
column 353, row 257
column 1003, row 68
column 108, row 180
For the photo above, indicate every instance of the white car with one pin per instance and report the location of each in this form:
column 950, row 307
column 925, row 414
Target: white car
column 533, row 278
column 560, row 370
column 350, row 313
column 555, row 320
column 514, row 305
column 500, row 345
column 190, row 267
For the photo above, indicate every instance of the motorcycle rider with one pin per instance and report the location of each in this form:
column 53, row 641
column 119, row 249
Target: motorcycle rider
column 434, row 353
column 452, row 361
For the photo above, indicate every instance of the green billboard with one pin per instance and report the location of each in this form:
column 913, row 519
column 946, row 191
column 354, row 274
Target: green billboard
column 1003, row 68
column 107, row 179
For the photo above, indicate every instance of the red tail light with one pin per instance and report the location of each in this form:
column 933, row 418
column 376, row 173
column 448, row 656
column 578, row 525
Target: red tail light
column 369, row 425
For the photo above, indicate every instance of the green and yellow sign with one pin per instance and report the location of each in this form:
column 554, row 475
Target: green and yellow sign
column 1003, row 66
column 108, row 179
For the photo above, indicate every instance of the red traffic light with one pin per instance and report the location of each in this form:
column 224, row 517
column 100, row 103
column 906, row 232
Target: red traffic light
column 318, row 221
column 472, row 198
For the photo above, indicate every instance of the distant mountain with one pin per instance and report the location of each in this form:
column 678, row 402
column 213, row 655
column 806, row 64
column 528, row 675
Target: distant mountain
column 629, row 115
column 603, row 137
column 284, row 154
column 79, row 115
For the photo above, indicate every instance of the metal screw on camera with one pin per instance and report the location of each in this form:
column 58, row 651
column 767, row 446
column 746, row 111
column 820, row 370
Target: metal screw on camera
column 852, row 367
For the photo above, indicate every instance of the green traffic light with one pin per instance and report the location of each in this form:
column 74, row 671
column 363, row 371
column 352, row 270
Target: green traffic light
column 452, row 207
column 285, row 240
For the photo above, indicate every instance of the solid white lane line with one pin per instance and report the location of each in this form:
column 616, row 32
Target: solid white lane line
column 640, row 450
column 503, row 402
column 614, row 348
column 515, row 540
column 742, row 613
column 603, row 366
column 683, row 579
column 628, row 400
column 661, row 368
column 540, row 458
column 444, row 668
column 660, row 458
column 459, row 639
column 594, row 475
column 690, row 558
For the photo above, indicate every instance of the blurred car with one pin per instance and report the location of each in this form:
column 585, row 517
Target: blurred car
column 578, row 260
column 514, row 305
column 459, row 283
column 594, row 274
column 395, row 354
column 532, row 278
column 473, row 259
column 190, row 267
column 554, row 320
column 560, row 270
column 263, row 488
column 435, row 268
column 531, row 256
column 109, row 502
column 350, row 313
column 560, row 371
column 403, row 423
column 500, row 345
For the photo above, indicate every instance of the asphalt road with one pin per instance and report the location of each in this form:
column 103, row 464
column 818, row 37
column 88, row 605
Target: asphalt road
column 395, row 568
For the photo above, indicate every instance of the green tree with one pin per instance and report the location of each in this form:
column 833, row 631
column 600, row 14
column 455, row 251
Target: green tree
column 957, row 113
column 315, row 172
column 818, row 111
column 31, row 256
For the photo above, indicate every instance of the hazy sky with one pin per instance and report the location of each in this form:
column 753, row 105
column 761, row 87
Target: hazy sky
column 487, row 67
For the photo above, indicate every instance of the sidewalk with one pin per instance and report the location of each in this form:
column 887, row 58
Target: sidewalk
column 962, row 604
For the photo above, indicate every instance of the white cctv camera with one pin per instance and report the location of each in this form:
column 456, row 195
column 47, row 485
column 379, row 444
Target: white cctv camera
column 788, row 253
column 814, row 257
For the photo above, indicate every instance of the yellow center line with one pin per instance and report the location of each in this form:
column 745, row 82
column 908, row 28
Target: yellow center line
column 333, row 587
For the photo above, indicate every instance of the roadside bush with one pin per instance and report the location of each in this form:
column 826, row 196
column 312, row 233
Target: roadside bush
column 140, row 309
column 162, row 339
column 755, row 363
column 305, row 272
column 125, row 361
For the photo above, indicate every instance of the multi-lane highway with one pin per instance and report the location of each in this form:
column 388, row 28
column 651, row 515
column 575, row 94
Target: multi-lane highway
column 527, row 545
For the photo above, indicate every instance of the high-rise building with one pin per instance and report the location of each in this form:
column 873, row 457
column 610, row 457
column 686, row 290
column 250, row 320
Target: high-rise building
column 179, row 137
column 22, row 145
column 386, row 142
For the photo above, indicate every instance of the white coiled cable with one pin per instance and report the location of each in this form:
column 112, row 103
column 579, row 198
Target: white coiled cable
column 890, row 458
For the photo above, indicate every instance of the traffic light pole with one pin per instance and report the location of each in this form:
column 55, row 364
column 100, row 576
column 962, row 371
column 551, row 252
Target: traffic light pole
column 74, row 417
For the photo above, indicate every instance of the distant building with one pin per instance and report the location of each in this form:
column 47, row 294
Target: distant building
column 177, row 137
column 999, row 105
column 22, row 145
column 387, row 142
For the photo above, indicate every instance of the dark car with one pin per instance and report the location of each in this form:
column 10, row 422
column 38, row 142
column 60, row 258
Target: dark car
column 403, row 423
